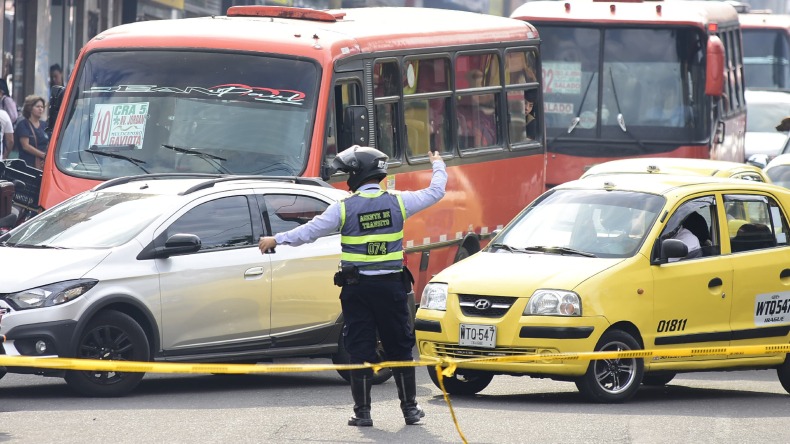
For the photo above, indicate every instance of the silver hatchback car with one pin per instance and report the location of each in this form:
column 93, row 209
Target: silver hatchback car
column 167, row 268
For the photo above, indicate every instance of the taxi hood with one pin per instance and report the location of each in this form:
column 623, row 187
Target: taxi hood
column 24, row 268
column 520, row 274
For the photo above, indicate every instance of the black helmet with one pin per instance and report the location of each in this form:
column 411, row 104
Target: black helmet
column 362, row 164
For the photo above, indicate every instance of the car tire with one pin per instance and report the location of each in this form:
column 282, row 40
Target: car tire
column 658, row 379
column 465, row 383
column 109, row 335
column 343, row 358
column 783, row 371
column 612, row 380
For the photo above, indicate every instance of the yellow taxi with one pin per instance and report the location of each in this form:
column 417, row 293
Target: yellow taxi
column 619, row 262
column 680, row 166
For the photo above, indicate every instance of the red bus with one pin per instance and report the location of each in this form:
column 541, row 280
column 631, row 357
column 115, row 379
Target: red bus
column 638, row 79
column 280, row 91
column 766, row 50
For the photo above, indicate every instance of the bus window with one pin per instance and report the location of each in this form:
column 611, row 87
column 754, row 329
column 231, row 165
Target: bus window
column 222, row 117
column 477, row 80
column 767, row 57
column 570, row 80
column 522, row 94
column 386, row 93
column 426, row 93
column 350, row 93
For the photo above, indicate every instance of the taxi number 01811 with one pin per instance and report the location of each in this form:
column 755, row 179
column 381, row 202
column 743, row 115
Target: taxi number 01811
column 477, row 335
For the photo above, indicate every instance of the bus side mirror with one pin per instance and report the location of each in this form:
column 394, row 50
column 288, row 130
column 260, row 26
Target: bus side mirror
column 714, row 67
column 355, row 126
column 56, row 98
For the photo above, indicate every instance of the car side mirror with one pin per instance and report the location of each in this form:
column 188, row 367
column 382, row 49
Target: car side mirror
column 673, row 249
column 174, row 245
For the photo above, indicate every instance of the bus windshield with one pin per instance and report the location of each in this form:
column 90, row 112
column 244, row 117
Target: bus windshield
column 766, row 58
column 151, row 111
column 623, row 84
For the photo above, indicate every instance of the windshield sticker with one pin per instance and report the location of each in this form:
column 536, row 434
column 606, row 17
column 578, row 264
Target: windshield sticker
column 562, row 77
column 120, row 124
column 772, row 308
column 228, row 92
column 558, row 108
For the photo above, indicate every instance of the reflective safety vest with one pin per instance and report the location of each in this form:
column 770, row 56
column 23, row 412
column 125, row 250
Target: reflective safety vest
column 371, row 230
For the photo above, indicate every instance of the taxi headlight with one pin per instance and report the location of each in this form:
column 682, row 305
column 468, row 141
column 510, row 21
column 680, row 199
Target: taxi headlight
column 554, row 303
column 49, row 295
column 434, row 297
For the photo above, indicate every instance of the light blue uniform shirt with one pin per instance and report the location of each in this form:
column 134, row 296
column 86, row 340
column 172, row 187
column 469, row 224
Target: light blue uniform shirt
column 329, row 221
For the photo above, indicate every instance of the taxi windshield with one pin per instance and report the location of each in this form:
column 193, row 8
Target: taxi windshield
column 137, row 112
column 611, row 224
column 100, row 219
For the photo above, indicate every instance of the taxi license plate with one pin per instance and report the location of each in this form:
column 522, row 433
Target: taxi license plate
column 477, row 335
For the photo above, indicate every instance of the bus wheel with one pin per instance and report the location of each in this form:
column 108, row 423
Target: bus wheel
column 784, row 374
column 115, row 336
column 612, row 380
column 463, row 384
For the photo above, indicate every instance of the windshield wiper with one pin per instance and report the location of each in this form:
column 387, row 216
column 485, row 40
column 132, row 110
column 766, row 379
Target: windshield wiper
column 41, row 246
column 578, row 119
column 211, row 159
column 620, row 118
column 507, row 247
column 136, row 162
column 560, row 250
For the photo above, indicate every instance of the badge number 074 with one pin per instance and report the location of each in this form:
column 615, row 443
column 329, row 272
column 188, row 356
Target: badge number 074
column 477, row 335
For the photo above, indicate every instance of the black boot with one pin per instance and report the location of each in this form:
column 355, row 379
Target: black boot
column 407, row 392
column 360, row 390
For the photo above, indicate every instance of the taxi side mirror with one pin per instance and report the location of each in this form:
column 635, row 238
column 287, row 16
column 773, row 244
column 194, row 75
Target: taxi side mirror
column 673, row 249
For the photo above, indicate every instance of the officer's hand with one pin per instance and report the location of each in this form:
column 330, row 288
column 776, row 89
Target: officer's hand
column 434, row 156
column 267, row 244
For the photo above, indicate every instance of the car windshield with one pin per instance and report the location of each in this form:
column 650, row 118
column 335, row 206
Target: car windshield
column 137, row 112
column 601, row 223
column 764, row 116
column 622, row 85
column 101, row 219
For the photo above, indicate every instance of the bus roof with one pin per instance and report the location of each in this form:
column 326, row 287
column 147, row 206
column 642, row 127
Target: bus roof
column 694, row 13
column 763, row 20
column 355, row 30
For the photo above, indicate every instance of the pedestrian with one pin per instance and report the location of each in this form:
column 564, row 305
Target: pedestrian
column 55, row 75
column 7, row 102
column 30, row 136
column 6, row 135
column 372, row 276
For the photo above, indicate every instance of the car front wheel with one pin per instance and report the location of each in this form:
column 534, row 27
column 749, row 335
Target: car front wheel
column 613, row 380
column 110, row 335
column 462, row 383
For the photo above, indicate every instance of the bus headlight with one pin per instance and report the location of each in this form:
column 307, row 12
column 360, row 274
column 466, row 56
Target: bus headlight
column 554, row 303
column 434, row 297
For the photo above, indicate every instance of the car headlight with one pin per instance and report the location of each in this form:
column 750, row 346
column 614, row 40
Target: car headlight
column 554, row 303
column 434, row 297
column 49, row 295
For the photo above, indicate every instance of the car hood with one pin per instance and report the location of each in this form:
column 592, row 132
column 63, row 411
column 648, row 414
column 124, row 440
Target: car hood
column 24, row 268
column 764, row 143
column 519, row 274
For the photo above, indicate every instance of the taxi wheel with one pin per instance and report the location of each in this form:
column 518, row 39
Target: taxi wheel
column 657, row 380
column 784, row 374
column 114, row 336
column 463, row 384
column 613, row 380
column 342, row 357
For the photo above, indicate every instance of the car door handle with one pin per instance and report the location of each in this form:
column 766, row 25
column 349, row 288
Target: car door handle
column 784, row 274
column 253, row 273
column 715, row 282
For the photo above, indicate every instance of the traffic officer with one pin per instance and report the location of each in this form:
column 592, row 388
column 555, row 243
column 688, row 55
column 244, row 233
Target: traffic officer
column 374, row 283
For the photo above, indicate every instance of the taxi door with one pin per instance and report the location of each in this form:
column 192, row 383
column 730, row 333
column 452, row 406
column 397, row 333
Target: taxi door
column 692, row 296
column 759, row 246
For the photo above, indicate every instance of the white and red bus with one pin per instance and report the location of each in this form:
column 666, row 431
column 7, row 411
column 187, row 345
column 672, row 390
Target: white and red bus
column 280, row 91
column 638, row 79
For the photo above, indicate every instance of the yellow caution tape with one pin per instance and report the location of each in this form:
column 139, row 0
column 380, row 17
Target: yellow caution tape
column 445, row 367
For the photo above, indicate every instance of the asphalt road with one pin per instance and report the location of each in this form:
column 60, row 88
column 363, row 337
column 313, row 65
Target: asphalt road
column 733, row 407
